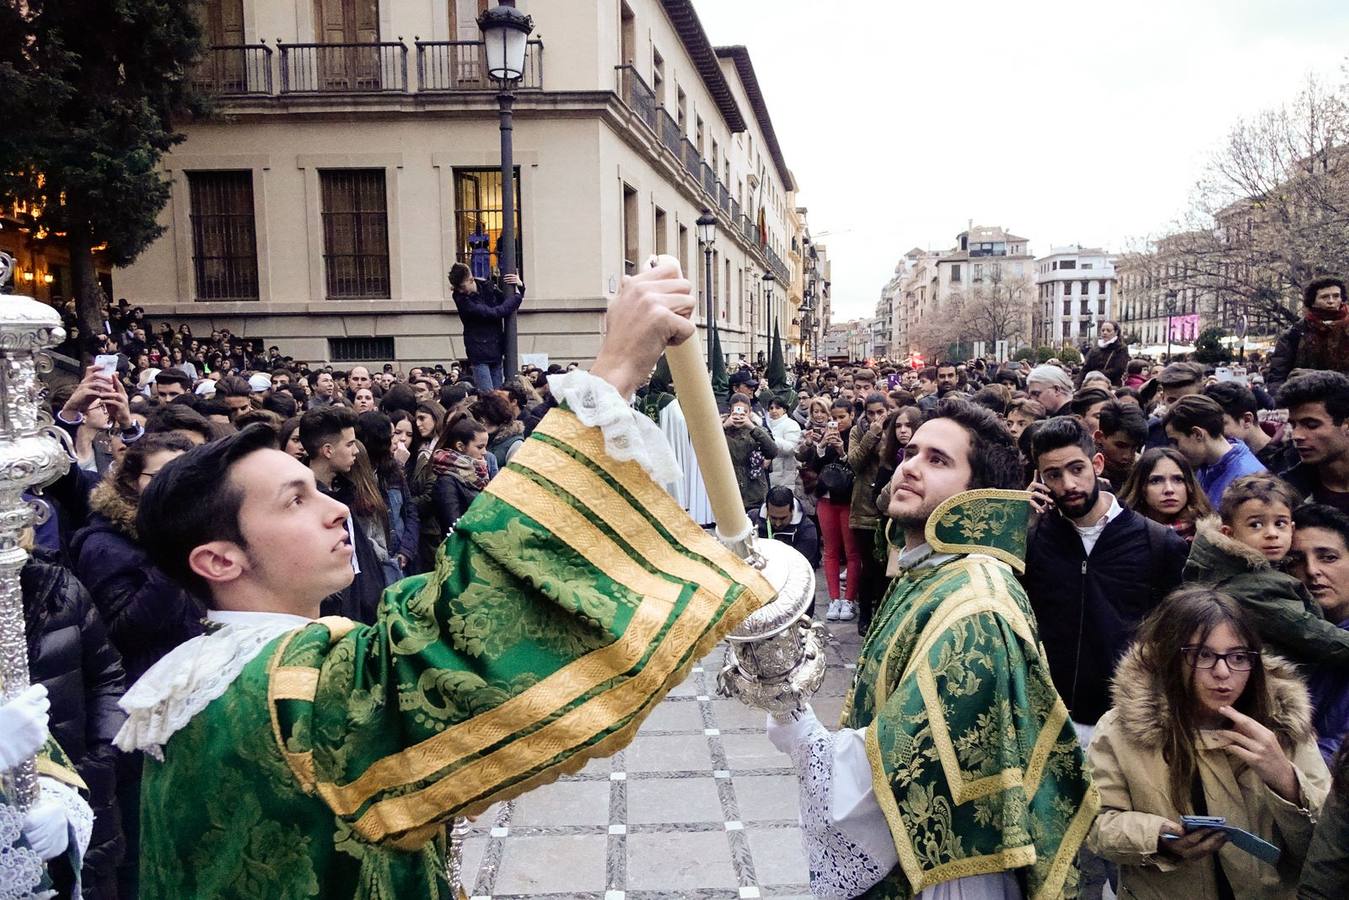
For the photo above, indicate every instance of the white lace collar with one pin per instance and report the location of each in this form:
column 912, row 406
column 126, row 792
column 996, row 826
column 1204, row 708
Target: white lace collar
column 184, row 682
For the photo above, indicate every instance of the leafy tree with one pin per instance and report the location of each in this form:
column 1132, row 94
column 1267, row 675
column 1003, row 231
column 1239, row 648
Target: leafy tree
column 1208, row 347
column 1026, row 353
column 1068, row 354
column 1045, row 354
column 89, row 88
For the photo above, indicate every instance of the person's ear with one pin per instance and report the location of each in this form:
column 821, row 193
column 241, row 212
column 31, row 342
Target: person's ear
column 1098, row 463
column 218, row 562
column 1225, row 529
column 1097, row 437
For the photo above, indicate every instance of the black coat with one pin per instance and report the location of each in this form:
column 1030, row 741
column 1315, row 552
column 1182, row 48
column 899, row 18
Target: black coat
column 1087, row 608
column 147, row 613
column 69, row 652
column 359, row 600
column 484, row 317
column 1110, row 361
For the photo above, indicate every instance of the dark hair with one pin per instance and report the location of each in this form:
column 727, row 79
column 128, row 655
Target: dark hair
column 322, row 425
column 1195, row 411
column 889, row 449
column 459, row 272
column 259, row 416
column 992, row 399
column 1135, row 367
column 452, row 395
column 841, row 403
column 994, row 461
column 875, row 397
column 1321, row 515
column 283, row 433
column 193, row 501
column 492, row 410
column 282, row 403
column 233, row 386
column 1117, row 416
column 375, row 432
column 1316, row 285
column 778, row 402
column 399, row 396
column 1134, row 492
column 461, row 429
column 928, row 374
column 1235, row 398
column 1059, row 432
column 1085, row 399
column 1033, row 409
column 124, row 476
column 174, row 376
column 179, row 417
column 517, row 393
column 1264, row 488
column 780, row 495
column 1171, row 626
column 1329, row 388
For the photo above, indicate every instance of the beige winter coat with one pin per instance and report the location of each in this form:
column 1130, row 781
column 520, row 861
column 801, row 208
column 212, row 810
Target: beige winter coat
column 1127, row 766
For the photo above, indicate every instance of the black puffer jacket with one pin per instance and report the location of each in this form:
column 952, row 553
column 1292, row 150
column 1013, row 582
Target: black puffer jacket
column 146, row 612
column 69, row 652
column 1087, row 608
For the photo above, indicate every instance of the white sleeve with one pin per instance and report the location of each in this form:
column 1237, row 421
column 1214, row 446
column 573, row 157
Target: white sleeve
column 628, row 435
column 846, row 838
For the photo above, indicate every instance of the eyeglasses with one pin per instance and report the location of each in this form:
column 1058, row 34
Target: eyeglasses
column 1204, row 658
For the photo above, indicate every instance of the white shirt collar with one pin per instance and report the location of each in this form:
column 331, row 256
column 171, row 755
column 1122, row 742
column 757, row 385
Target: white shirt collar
column 246, row 619
column 1110, row 514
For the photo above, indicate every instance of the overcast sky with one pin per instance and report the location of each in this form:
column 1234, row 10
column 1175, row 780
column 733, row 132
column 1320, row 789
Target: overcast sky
column 1066, row 122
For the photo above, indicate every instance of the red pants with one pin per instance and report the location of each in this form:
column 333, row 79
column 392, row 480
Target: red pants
column 836, row 535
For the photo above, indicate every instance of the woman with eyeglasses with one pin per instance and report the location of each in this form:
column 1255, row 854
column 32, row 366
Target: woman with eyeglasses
column 1204, row 724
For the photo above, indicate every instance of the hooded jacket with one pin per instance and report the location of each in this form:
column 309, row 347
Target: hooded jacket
column 1088, row 608
column 147, row 613
column 1310, row 343
column 801, row 533
column 752, row 449
column 69, row 653
column 1290, row 622
column 1132, row 777
column 484, row 316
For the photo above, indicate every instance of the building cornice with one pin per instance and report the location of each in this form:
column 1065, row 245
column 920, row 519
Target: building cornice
column 690, row 29
column 745, row 68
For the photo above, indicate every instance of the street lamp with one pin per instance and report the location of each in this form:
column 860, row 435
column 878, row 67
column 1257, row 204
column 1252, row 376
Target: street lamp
column 707, row 236
column 1170, row 311
column 505, row 36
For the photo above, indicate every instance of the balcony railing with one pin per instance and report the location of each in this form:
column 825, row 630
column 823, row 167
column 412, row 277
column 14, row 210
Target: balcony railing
column 670, row 132
column 234, row 70
column 709, row 179
column 461, row 66
column 723, row 197
column 735, row 209
column 688, row 155
column 637, row 95
column 344, row 68
column 747, row 228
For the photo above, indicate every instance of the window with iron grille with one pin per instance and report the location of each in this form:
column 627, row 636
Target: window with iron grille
column 355, row 233
column 360, row 349
column 224, row 242
column 478, row 220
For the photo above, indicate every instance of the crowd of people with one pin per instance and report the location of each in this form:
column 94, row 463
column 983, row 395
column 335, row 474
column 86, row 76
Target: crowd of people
column 1188, row 566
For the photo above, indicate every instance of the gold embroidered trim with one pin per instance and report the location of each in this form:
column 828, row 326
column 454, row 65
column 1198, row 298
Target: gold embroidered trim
column 1073, row 837
column 304, row 775
column 47, row 766
column 881, row 690
column 338, row 627
column 293, row 683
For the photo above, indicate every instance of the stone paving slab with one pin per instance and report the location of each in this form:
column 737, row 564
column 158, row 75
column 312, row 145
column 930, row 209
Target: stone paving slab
column 699, row 807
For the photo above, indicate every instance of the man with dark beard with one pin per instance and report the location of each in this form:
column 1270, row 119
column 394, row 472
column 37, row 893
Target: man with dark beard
column 956, row 772
column 1094, row 569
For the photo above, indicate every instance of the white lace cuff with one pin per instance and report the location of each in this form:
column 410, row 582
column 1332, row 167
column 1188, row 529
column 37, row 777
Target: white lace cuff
column 79, row 814
column 847, row 842
column 184, row 682
column 629, row 436
column 21, row 869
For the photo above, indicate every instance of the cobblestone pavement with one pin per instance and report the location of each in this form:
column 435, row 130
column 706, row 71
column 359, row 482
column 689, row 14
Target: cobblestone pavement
column 699, row 806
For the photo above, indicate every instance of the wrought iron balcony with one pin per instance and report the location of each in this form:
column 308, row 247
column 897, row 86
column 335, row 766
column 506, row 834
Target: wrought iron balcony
column 670, row 132
column 637, row 95
column 380, row 67
column 462, row 66
column 234, row 70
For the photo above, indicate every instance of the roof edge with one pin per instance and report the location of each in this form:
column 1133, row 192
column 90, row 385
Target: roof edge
column 739, row 54
column 690, row 30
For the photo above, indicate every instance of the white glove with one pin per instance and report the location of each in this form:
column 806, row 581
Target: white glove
column 47, row 829
column 788, row 731
column 23, row 726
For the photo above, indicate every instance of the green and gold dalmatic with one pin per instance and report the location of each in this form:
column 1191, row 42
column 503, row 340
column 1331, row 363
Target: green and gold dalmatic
column 973, row 758
column 572, row 596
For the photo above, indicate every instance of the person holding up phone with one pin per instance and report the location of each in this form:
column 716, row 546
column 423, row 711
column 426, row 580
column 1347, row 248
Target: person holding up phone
column 1205, row 723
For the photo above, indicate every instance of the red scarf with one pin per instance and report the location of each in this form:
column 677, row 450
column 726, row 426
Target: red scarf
column 1326, row 316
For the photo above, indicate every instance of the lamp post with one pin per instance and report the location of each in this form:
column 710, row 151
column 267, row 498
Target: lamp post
column 768, row 304
column 505, row 37
column 707, row 235
column 1170, row 311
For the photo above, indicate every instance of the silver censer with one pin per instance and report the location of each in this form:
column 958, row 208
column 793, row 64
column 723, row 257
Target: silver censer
column 775, row 660
column 31, row 454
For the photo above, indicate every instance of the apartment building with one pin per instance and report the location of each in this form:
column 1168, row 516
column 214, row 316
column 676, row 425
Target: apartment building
column 1074, row 293
column 355, row 156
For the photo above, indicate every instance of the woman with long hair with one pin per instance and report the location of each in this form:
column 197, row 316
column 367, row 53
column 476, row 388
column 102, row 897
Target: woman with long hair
column 288, row 439
column 507, row 432
column 1205, row 724
column 371, row 511
column 460, row 466
column 375, row 432
column 1162, row 487
column 824, row 451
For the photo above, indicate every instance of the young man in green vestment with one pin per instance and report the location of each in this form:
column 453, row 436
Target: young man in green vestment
column 293, row 757
column 957, row 772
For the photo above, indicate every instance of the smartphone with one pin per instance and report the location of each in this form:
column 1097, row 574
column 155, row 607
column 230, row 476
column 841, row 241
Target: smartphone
column 106, row 364
column 833, row 425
